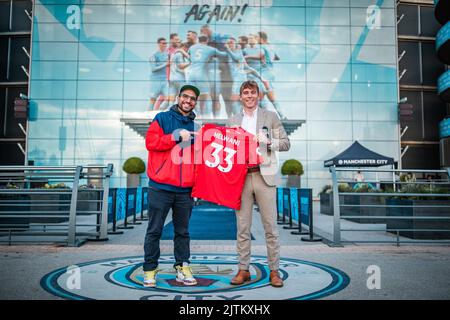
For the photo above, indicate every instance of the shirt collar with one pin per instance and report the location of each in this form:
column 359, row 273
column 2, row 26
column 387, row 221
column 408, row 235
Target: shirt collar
column 245, row 114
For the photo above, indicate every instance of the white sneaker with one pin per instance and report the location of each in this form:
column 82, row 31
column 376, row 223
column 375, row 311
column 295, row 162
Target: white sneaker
column 184, row 274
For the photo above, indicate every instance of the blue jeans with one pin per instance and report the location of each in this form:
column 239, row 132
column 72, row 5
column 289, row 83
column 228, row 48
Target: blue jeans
column 160, row 202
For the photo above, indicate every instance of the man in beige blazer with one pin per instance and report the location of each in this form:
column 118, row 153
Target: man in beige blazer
column 260, row 183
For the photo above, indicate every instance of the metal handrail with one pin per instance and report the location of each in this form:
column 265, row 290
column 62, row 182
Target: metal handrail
column 65, row 209
column 337, row 205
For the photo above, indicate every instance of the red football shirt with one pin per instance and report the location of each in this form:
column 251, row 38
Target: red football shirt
column 222, row 157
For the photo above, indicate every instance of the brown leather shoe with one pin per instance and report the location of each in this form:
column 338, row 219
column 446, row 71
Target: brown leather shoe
column 275, row 279
column 241, row 277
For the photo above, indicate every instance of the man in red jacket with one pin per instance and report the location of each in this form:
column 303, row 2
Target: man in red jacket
column 170, row 169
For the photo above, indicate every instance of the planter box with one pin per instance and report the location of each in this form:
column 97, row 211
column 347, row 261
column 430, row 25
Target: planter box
column 326, row 207
column 6, row 223
column 414, row 211
column 49, row 210
column 87, row 194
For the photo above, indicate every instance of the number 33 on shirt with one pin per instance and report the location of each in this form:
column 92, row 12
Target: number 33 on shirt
column 222, row 156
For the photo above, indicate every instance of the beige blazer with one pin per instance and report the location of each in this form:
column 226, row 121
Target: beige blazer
column 278, row 136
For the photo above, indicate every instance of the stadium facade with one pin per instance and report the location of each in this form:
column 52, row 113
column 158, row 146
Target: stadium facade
column 337, row 75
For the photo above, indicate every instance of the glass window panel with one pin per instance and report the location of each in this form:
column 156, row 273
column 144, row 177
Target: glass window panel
column 374, row 92
column 372, row 111
column 366, row 3
column 276, row 34
column 139, row 52
column 207, row 14
column 327, row 54
column 432, row 67
column 293, row 109
column 20, row 21
column 146, row 32
column 54, row 51
column 289, row 72
column 104, row 13
column 99, row 109
column 102, row 33
column 50, row 151
column 434, row 112
column 58, row 1
column 317, row 171
column 290, row 91
column 367, row 72
column 52, row 129
column 52, row 109
column 327, row 16
column 410, row 62
column 329, row 111
column 375, row 130
column 18, row 58
column 290, row 3
column 289, row 53
column 48, row 89
column 94, row 129
column 374, row 54
column 329, row 91
column 330, row 130
column 137, row 90
column 327, row 3
column 327, row 34
column 4, row 16
column 324, row 150
column 106, row 51
column 54, row 70
column 135, row 108
column 100, row 70
column 372, row 19
column 282, row 16
column 54, row 32
column 381, row 36
column 51, row 13
column 429, row 26
column 409, row 25
column 98, row 148
column 135, row 148
column 328, row 73
column 109, row 90
column 386, row 148
column 137, row 71
column 148, row 14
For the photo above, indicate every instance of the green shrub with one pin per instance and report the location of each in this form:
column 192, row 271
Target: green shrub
column 344, row 187
column 134, row 165
column 292, row 167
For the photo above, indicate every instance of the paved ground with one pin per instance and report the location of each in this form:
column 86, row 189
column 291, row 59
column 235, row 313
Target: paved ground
column 406, row 272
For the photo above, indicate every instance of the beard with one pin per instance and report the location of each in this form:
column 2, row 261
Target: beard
column 186, row 107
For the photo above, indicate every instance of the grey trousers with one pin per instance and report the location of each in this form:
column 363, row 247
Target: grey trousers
column 256, row 188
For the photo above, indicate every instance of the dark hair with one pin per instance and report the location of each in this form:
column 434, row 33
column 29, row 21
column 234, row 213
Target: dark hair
column 192, row 32
column 184, row 44
column 161, row 39
column 262, row 35
column 203, row 39
column 245, row 38
column 173, row 35
column 249, row 84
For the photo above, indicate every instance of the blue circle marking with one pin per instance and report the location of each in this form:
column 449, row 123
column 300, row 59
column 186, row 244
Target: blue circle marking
column 128, row 278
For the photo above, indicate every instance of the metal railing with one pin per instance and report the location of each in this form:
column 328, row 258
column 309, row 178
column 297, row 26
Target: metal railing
column 51, row 203
column 392, row 206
